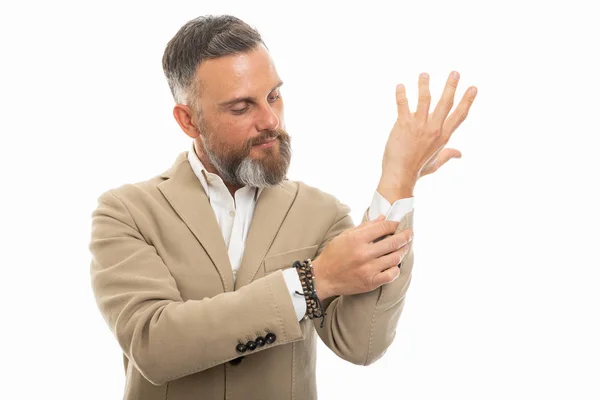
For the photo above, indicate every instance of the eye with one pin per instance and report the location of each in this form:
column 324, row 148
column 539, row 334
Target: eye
column 274, row 97
column 240, row 111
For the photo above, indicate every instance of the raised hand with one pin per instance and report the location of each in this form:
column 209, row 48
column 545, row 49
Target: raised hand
column 415, row 146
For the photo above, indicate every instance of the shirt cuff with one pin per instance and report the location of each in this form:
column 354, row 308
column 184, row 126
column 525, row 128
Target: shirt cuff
column 394, row 212
column 292, row 280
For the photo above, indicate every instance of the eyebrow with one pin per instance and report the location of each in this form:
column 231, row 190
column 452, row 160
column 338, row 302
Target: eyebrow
column 247, row 99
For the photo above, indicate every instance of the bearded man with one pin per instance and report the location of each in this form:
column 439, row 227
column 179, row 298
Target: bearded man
column 218, row 275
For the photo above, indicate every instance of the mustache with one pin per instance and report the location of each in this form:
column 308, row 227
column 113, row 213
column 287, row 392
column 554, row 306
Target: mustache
column 269, row 135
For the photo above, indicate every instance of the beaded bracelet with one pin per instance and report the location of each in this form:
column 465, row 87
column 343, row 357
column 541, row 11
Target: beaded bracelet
column 314, row 308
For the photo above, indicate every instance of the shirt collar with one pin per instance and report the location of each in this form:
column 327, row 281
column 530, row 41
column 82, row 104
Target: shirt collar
column 208, row 179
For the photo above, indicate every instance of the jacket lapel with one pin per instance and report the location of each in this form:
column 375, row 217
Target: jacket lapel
column 186, row 195
column 271, row 208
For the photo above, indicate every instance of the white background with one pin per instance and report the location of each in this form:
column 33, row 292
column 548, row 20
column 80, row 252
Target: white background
column 504, row 299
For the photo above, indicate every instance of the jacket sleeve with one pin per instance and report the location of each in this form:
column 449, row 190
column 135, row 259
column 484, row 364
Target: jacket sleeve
column 359, row 328
column 164, row 336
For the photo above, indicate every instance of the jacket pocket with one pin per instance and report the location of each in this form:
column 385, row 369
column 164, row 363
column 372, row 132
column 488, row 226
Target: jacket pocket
column 286, row 260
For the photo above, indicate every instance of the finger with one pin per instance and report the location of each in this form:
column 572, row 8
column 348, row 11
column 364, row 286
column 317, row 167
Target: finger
column 369, row 233
column 380, row 217
column 368, row 222
column 441, row 160
column 372, row 222
column 391, row 260
column 402, row 103
column 424, row 98
column 454, row 153
column 447, row 100
column 386, row 276
column 448, row 154
column 461, row 112
column 389, row 244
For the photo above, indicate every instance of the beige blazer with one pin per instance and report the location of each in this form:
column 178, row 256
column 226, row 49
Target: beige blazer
column 164, row 284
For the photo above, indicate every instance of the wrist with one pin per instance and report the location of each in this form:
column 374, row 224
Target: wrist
column 393, row 189
column 324, row 289
column 308, row 279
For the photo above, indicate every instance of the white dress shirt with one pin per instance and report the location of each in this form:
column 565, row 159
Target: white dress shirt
column 234, row 217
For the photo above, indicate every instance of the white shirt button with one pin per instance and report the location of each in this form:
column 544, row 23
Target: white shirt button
column 232, row 213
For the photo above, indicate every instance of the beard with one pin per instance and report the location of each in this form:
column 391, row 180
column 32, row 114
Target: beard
column 237, row 168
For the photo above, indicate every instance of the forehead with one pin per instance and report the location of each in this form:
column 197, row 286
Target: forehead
column 237, row 74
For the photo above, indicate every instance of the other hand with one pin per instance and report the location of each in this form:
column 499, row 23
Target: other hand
column 355, row 262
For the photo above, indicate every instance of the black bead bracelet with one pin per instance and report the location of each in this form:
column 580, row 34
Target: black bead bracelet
column 314, row 308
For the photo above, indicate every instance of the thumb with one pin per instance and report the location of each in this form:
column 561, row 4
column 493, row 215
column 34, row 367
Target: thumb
column 446, row 156
column 453, row 153
column 380, row 217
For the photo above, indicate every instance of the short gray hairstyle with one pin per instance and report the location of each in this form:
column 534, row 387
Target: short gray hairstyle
column 200, row 39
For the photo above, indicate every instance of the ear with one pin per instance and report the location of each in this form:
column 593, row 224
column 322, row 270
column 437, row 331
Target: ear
column 185, row 118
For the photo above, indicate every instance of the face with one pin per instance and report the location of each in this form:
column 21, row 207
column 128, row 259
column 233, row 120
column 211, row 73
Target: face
column 241, row 125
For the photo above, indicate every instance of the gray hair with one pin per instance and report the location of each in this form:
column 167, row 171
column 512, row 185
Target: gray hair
column 200, row 39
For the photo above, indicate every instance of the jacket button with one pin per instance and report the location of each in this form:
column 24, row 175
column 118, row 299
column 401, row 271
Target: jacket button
column 270, row 338
column 260, row 341
column 251, row 345
column 241, row 348
column 236, row 361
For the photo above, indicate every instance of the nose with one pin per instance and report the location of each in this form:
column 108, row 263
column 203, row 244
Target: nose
column 268, row 119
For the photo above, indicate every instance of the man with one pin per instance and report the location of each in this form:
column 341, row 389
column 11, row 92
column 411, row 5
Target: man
column 193, row 270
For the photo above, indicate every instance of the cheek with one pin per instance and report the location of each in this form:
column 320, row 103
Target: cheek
column 235, row 133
